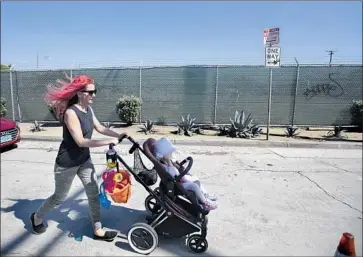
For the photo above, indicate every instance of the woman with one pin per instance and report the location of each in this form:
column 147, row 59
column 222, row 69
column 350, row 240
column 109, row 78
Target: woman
column 71, row 103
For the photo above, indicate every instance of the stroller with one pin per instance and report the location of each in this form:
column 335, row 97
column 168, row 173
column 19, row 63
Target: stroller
column 174, row 211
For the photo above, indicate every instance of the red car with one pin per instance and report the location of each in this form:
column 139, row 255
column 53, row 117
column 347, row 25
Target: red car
column 10, row 132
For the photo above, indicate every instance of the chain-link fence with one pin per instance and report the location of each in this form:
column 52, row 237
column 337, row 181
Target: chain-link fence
column 301, row 95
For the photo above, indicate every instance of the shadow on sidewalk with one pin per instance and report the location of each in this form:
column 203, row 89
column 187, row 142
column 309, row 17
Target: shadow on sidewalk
column 73, row 219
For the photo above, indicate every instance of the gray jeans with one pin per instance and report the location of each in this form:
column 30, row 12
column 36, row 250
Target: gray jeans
column 63, row 181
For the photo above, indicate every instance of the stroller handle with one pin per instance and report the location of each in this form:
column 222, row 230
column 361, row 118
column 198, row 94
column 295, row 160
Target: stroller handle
column 121, row 139
column 187, row 169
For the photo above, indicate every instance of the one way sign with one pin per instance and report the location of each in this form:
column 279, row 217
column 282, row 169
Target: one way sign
column 272, row 56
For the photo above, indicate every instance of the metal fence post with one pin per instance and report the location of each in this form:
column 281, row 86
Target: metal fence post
column 71, row 71
column 12, row 92
column 295, row 95
column 216, row 97
column 140, row 89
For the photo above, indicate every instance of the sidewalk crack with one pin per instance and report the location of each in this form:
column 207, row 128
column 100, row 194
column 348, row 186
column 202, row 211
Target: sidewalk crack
column 332, row 165
column 283, row 157
column 331, row 196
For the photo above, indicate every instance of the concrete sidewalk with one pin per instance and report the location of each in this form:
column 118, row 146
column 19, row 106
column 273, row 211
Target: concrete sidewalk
column 273, row 202
column 54, row 134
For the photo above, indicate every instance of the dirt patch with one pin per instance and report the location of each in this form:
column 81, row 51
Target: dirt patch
column 321, row 134
column 276, row 134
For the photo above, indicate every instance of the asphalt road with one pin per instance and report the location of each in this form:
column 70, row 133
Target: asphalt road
column 278, row 201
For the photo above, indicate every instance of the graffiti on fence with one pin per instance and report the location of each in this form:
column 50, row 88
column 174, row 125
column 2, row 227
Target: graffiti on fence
column 332, row 88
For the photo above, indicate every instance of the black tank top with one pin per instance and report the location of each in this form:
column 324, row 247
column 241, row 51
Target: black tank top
column 69, row 153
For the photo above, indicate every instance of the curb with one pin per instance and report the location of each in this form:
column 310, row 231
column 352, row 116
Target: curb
column 235, row 143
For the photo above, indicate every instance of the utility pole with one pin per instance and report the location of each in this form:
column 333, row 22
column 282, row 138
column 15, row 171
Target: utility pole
column 331, row 52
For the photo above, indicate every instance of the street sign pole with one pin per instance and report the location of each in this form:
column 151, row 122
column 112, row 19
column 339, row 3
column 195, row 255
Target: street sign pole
column 272, row 60
column 269, row 105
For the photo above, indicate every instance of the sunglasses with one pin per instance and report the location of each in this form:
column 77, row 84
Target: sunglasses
column 90, row 92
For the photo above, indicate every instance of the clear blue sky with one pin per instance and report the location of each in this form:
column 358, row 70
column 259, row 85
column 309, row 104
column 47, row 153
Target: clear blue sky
column 109, row 33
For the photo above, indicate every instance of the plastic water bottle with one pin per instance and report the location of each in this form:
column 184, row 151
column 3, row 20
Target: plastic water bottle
column 111, row 159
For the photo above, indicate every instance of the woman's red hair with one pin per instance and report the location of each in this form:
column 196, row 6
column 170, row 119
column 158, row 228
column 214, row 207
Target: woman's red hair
column 61, row 96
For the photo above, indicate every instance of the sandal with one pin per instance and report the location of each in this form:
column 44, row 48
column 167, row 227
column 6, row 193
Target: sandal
column 108, row 237
column 37, row 229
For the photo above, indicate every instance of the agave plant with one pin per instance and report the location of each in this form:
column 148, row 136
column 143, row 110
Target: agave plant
column 256, row 131
column 292, row 131
column 242, row 127
column 36, row 127
column 223, row 130
column 186, row 126
column 148, row 127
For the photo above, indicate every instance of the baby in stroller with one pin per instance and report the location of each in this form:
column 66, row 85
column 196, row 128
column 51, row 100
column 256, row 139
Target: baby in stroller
column 164, row 151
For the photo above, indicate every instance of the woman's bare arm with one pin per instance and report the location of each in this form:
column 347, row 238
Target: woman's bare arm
column 74, row 127
column 102, row 129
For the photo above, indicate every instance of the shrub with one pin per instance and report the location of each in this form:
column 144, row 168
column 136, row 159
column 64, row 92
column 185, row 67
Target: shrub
column 357, row 113
column 3, row 109
column 5, row 67
column 128, row 109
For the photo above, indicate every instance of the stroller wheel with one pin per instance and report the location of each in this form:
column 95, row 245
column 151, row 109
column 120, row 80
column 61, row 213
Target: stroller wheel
column 151, row 205
column 143, row 238
column 197, row 244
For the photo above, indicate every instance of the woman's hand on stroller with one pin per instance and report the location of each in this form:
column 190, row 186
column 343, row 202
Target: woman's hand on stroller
column 115, row 141
column 135, row 145
column 122, row 137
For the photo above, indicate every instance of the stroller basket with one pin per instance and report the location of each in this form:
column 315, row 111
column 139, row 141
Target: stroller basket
column 148, row 176
column 122, row 191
